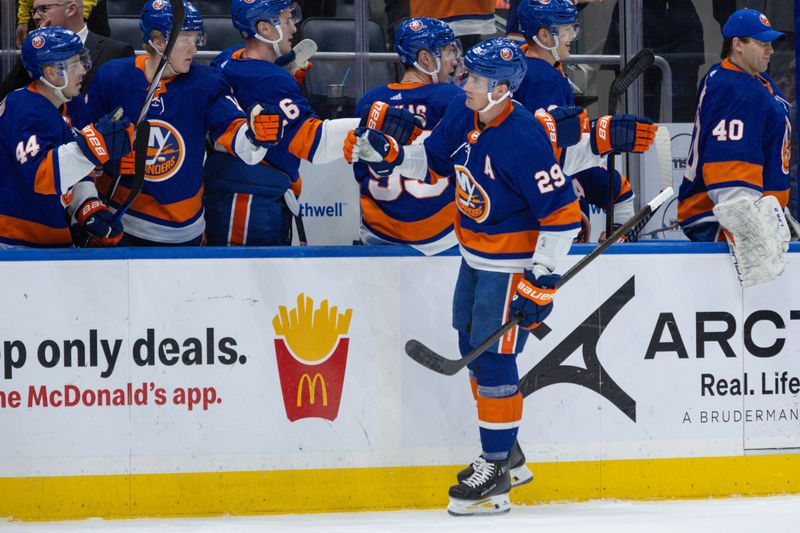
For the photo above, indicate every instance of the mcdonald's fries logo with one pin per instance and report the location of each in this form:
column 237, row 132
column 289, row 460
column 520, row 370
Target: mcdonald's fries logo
column 311, row 349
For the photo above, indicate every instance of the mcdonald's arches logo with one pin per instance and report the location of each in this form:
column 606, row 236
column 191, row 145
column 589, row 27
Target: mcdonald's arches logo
column 312, row 388
column 311, row 349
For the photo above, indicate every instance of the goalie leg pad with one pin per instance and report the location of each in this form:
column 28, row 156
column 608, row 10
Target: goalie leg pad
column 757, row 236
column 794, row 225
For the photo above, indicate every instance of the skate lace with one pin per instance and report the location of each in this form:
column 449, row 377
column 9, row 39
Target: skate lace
column 476, row 464
column 483, row 472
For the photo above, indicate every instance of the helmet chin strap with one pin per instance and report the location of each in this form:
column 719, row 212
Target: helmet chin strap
column 492, row 102
column 434, row 74
column 161, row 54
column 274, row 44
column 553, row 49
column 58, row 91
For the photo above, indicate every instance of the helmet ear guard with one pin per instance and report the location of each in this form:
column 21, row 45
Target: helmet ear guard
column 549, row 14
column 157, row 16
column 248, row 14
column 499, row 61
column 421, row 33
column 53, row 46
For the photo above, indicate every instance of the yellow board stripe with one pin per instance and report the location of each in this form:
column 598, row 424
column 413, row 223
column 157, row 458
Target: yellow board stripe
column 369, row 489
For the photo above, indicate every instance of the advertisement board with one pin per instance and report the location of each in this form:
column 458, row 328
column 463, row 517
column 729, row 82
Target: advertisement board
column 288, row 364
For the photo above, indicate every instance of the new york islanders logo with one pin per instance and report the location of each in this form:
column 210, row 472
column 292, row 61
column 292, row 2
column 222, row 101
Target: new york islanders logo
column 415, row 25
column 165, row 151
column 38, row 42
column 764, row 20
column 158, row 4
column 471, row 198
column 506, row 54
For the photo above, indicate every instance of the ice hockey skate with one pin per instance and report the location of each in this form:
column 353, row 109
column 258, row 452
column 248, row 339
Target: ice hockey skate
column 484, row 492
column 519, row 472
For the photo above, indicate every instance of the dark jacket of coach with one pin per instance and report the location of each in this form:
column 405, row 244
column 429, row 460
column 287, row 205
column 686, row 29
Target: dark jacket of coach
column 68, row 14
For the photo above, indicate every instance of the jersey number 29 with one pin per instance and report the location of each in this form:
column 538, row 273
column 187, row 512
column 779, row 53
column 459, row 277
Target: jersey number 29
column 548, row 181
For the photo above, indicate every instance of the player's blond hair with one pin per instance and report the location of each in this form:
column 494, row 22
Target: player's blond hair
column 155, row 34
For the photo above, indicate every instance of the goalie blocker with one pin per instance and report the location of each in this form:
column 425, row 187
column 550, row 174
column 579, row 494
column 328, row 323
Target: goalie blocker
column 758, row 237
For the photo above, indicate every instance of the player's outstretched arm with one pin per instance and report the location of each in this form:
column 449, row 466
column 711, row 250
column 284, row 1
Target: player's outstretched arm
column 384, row 154
column 611, row 133
column 328, row 136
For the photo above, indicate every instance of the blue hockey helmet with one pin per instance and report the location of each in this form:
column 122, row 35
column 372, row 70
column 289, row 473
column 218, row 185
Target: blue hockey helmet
column 550, row 14
column 499, row 60
column 51, row 46
column 157, row 16
column 246, row 14
column 421, row 33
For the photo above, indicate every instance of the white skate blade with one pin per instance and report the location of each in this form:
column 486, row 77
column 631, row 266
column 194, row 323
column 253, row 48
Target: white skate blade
column 520, row 476
column 488, row 506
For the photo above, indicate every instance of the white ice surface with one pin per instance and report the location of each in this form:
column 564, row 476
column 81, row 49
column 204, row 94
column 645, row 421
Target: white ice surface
column 734, row 515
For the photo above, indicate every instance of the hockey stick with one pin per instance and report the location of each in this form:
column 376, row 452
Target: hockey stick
column 632, row 70
column 663, row 147
column 138, row 181
column 430, row 359
column 140, row 145
column 294, row 208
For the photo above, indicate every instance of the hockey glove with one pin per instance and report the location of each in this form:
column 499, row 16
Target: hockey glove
column 265, row 125
column 109, row 138
column 300, row 73
column 564, row 125
column 396, row 122
column 622, row 133
column 97, row 221
column 296, row 62
column 614, row 227
column 534, row 298
column 127, row 165
column 378, row 150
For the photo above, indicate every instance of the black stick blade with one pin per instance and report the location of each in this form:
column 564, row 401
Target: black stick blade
column 430, row 359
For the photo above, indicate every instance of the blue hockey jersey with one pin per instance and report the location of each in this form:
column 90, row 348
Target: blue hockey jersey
column 185, row 108
column 508, row 186
column 33, row 195
column 404, row 210
column 741, row 139
column 255, row 81
column 546, row 86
